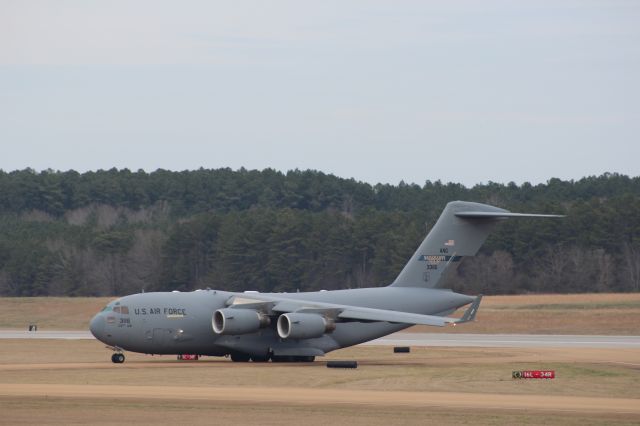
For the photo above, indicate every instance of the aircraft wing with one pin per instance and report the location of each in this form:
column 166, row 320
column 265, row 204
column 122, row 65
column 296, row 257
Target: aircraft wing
column 369, row 314
column 351, row 313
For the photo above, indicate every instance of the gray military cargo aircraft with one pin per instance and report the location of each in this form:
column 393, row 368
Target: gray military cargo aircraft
column 300, row 326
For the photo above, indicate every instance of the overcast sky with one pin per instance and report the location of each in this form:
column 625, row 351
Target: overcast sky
column 382, row 91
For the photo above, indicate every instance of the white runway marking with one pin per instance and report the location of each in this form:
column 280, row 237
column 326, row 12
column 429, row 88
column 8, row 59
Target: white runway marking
column 420, row 339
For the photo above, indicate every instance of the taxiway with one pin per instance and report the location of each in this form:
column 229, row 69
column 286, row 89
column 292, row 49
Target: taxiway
column 420, row 339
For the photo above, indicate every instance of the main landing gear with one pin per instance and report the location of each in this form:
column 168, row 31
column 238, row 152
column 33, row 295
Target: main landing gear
column 293, row 358
column 237, row 357
column 240, row 357
column 117, row 358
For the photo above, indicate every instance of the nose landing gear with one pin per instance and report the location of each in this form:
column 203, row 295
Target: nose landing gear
column 117, row 358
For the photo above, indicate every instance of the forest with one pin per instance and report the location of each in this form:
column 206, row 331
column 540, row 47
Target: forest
column 116, row 232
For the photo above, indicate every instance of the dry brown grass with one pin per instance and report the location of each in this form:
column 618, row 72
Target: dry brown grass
column 65, row 411
column 593, row 373
column 605, row 314
column 54, row 313
column 552, row 299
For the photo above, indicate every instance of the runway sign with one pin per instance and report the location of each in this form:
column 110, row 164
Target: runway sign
column 534, row 374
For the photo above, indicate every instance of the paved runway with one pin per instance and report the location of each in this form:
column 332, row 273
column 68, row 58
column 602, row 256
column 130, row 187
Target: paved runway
column 508, row 340
column 421, row 339
column 50, row 334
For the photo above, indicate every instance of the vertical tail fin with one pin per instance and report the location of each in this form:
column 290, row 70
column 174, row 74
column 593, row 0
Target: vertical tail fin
column 460, row 231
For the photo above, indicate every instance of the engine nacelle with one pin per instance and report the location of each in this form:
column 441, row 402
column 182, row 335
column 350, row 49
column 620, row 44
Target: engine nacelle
column 304, row 326
column 238, row 321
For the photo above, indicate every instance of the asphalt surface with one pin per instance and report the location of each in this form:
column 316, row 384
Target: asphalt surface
column 508, row 340
column 419, row 339
column 49, row 334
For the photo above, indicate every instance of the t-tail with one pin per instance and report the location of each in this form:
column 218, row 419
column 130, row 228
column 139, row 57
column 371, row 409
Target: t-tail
column 460, row 231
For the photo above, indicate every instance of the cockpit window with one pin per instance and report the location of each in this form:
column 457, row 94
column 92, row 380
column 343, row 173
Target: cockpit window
column 121, row 310
column 106, row 308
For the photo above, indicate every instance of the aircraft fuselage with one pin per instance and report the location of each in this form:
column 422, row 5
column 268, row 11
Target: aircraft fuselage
column 181, row 323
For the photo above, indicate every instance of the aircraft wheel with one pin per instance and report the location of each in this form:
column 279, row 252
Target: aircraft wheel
column 117, row 358
column 240, row 358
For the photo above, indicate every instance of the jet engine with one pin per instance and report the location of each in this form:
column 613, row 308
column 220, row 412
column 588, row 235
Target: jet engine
column 304, row 326
column 238, row 321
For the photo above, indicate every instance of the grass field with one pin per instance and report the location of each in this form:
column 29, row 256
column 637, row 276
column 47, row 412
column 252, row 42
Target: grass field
column 605, row 314
column 106, row 411
column 53, row 313
column 71, row 382
column 613, row 314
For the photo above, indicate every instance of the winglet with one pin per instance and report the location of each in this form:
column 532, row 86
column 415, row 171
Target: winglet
column 470, row 313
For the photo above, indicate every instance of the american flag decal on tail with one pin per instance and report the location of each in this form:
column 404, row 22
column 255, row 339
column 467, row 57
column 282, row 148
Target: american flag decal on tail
column 450, row 243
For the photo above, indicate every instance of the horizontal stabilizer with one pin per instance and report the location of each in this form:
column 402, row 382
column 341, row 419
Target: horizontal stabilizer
column 498, row 215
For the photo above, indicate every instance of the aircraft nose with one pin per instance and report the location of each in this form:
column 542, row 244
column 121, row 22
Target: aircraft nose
column 96, row 326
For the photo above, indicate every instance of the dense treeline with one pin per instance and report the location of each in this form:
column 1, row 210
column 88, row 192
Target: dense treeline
column 115, row 232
